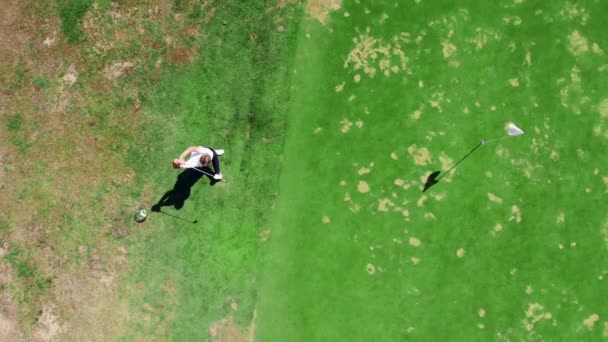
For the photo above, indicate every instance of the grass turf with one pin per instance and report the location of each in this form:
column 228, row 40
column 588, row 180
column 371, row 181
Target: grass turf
column 347, row 263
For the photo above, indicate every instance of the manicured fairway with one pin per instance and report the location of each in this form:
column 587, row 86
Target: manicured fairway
column 512, row 245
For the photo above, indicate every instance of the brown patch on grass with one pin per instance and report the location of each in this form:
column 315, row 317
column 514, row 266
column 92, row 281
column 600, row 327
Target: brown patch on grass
column 384, row 204
column 48, row 328
column 181, row 55
column 590, row 321
column 577, row 44
column 421, row 155
column 345, row 125
column 414, row 242
column 460, row 252
column 515, row 214
column 363, row 187
column 494, row 198
column 370, row 269
column 226, row 330
column 321, row 9
column 372, row 54
column 534, row 314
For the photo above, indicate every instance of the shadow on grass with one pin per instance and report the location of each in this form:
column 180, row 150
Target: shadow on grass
column 177, row 196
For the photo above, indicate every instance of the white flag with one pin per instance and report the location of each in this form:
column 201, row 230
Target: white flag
column 513, row 130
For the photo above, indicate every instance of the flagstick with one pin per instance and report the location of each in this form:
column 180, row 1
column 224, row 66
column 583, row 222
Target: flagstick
column 481, row 143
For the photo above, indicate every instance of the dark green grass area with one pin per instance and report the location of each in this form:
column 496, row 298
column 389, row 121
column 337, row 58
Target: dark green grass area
column 71, row 13
column 234, row 97
column 316, row 285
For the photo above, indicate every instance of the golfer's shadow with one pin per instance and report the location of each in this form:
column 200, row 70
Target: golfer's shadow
column 177, row 196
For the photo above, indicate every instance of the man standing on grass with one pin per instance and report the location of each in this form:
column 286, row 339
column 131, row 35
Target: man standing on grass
column 200, row 156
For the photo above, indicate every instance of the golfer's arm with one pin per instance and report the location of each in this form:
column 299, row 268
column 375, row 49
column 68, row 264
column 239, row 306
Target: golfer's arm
column 187, row 152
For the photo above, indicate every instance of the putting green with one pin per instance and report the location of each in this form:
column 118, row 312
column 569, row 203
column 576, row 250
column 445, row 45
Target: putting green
column 512, row 244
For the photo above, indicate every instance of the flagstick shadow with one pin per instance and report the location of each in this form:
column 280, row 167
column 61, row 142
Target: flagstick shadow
column 431, row 180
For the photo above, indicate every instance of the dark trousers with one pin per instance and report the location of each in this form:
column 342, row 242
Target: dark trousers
column 215, row 161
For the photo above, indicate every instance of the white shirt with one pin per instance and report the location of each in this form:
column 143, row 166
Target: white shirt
column 195, row 157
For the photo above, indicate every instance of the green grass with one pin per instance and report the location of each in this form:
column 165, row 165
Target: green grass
column 317, row 286
column 270, row 99
column 233, row 98
column 71, row 13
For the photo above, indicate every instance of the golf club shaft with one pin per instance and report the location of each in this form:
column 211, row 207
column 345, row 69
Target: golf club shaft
column 206, row 173
column 177, row 217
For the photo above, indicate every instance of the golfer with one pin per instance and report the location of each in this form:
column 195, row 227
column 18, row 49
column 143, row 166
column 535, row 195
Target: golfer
column 200, row 156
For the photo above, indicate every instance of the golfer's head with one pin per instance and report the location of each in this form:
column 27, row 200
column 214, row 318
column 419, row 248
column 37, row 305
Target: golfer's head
column 205, row 160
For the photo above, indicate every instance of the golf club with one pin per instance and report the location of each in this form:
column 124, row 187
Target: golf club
column 177, row 217
column 208, row 174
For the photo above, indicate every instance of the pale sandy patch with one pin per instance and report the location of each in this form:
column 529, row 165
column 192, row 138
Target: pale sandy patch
column 370, row 269
column 528, row 58
column 481, row 326
column 446, row 162
column 406, row 213
column 596, row 172
column 429, row 216
column 529, row 290
column 477, row 104
column 398, row 182
column 363, row 187
column 460, row 252
column 421, row 155
column 317, row 130
column 394, row 156
column 494, row 198
column 346, row 14
column 48, row 327
column 384, row 204
column 515, row 214
column 572, row 244
column 602, row 108
column 554, row 155
column 416, row 114
column 596, row 49
column 321, row 9
column 448, row 49
column 351, row 98
column 345, row 125
column 514, row 82
column 561, row 218
column 440, row 196
column 466, row 110
column 415, row 260
column 498, row 227
column 415, row 242
column 590, row 321
column 481, row 312
column 363, row 171
column 357, row 78
column 343, row 183
column 359, row 123
column 325, row 219
column 577, row 44
column 347, row 197
column 502, row 152
column 534, row 314
column 605, row 333
column 117, row 70
column 421, row 200
column 340, row 87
